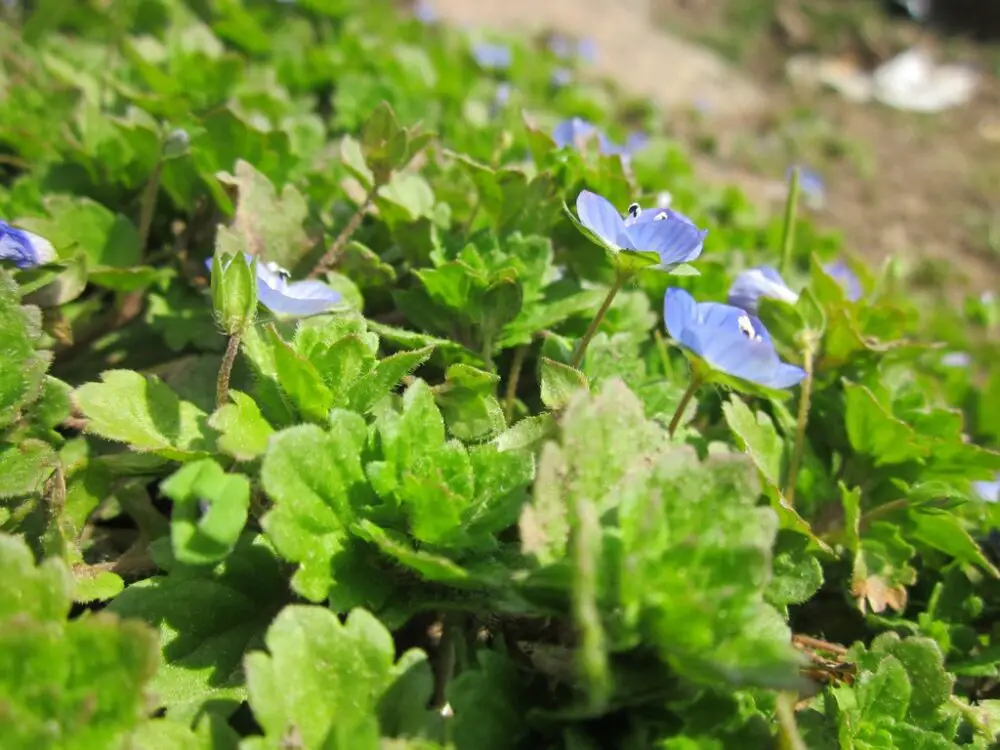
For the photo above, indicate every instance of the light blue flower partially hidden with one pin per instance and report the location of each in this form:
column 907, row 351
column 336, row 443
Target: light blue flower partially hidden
column 754, row 283
column 727, row 339
column 988, row 491
column 23, row 248
column 577, row 132
column 843, row 274
column 669, row 234
column 298, row 298
column 492, row 56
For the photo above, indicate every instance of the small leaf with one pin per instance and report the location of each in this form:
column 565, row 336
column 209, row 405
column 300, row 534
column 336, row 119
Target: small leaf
column 559, row 382
column 144, row 413
column 342, row 672
column 25, row 468
column 875, row 432
column 388, row 373
column 243, row 432
column 210, row 510
column 300, row 380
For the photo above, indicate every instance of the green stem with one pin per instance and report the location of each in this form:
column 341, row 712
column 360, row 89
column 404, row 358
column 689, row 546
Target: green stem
column 445, row 659
column 685, row 400
column 330, row 258
column 596, row 322
column 805, row 397
column 788, row 230
column 788, row 731
column 661, row 348
column 148, row 205
column 512, row 379
column 226, row 370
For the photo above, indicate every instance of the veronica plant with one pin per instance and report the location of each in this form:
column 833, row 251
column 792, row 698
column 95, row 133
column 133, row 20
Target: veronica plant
column 662, row 239
column 281, row 296
column 843, row 274
column 725, row 344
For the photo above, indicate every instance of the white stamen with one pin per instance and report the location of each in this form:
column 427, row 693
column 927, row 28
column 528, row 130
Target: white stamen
column 275, row 268
column 634, row 210
column 746, row 328
column 661, row 216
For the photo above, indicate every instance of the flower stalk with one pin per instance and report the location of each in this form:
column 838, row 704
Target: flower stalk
column 596, row 322
column 226, row 369
column 805, row 397
column 332, row 256
column 788, row 229
column 683, row 404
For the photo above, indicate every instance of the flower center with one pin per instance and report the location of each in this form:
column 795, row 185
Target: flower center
column 747, row 329
column 275, row 268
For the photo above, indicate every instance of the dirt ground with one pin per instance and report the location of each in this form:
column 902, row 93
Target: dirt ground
column 925, row 187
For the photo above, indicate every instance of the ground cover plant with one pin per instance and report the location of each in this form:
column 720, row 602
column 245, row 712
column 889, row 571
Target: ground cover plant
column 368, row 383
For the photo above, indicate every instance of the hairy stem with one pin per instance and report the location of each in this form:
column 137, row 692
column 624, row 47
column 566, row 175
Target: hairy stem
column 805, row 396
column 596, row 322
column 682, row 406
column 148, row 205
column 226, row 370
column 330, row 258
column 788, row 229
column 788, row 731
column 512, row 380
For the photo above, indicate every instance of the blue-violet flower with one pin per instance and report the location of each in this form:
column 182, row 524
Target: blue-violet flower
column 728, row 339
column 298, row 298
column 988, row 491
column 669, row 234
column 492, row 56
column 763, row 281
column 25, row 249
column 840, row 271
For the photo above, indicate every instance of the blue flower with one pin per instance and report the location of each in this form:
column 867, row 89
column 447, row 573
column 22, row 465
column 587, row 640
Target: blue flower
column 669, row 234
column 25, row 249
column 988, row 491
column 754, row 283
column 840, row 271
column 562, row 77
column 576, row 132
column 282, row 297
column 586, row 49
column 956, row 359
column 811, row 184
column 492, row 56
column 728, row 339
column 424, row 11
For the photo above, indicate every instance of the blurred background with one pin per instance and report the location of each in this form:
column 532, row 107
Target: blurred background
column 890, row 107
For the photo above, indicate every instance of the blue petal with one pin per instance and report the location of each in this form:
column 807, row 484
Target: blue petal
column 299, row 298
column 754, row 283
column 785, row 376
column 988, row 491
column 571, row 132
column 840, row 271
column 679, row 313
column 23, row 248
column 600, row 217
column 674, row 238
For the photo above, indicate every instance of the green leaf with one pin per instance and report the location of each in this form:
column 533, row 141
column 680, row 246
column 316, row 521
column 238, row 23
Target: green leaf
column 467, row 401
column 47, row 683
column 40, row 593
column 430, row 566
column 243, row 432
column 23, row 371
column 47, row 665
column 144, row 413
column 342, row 673
column 756, row 434
column 943, row 531
column 268, row 225
column 527, row 435
column 211, row 733
column 559, row 382
column 368, row 391
column 316, row 482
column 886, row 693
column 207, row 618
column 107, row 238
column 489, row 704
column 210, row 510
column 875, row 432
column 796, row 574
column 25, row 468
column 299, row 379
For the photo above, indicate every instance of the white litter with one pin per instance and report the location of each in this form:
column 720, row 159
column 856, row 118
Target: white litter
column 913, row 81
